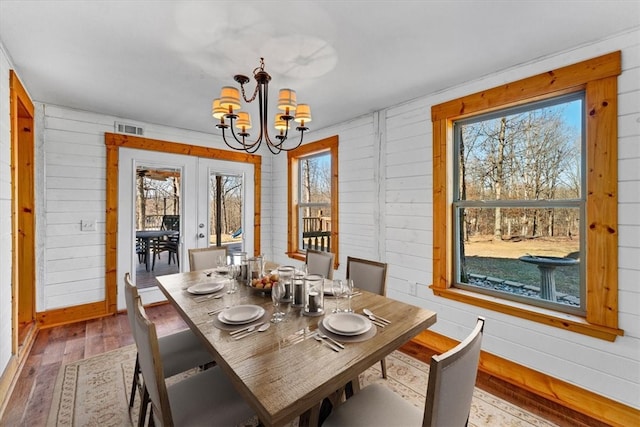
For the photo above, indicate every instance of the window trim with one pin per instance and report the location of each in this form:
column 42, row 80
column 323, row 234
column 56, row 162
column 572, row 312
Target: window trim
column 327, row 144
column 597, row 77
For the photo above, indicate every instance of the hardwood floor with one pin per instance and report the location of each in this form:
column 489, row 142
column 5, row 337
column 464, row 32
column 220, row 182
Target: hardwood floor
column 31, row 399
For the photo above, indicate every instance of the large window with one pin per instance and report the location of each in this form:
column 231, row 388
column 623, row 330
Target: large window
column 518, row 203
column 313, row 198
column 531, row 164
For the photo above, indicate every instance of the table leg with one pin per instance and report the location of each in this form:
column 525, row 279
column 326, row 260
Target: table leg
column 147, row 249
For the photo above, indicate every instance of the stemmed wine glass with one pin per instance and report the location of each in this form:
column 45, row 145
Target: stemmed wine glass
column 277, row 293
column 348, row 290
column 338, row 291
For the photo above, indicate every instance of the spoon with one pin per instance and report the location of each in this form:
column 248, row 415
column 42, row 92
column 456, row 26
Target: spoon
column 327, row 337
column 262, row 328
column 328, row 344
column 374, row 317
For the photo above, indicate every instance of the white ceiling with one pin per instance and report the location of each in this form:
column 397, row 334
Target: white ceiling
column 164, row 61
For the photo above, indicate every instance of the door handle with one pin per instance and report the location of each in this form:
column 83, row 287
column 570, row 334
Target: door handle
column 201, row 235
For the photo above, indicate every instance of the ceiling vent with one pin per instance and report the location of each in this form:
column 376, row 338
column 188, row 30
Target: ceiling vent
column 129, row 129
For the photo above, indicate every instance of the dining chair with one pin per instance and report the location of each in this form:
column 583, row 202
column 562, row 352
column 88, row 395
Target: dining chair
column 180, row 351
column 370, row 276
column 203, row 398
column 203, row 258
column 320, row 262
column 169, row 244
column 452, row 379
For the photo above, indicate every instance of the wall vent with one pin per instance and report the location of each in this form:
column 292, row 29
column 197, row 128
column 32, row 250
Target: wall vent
column 129, row 129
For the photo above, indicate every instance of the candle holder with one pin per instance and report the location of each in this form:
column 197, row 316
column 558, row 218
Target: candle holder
column 314, row 295
column 255, row 269
column 298, row 291
column 285, row 274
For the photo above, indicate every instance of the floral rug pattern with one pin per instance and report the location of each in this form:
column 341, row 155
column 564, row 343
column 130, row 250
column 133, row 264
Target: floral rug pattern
column 95, row 392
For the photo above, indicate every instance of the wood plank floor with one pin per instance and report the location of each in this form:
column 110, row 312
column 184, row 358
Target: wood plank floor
column 31, row 399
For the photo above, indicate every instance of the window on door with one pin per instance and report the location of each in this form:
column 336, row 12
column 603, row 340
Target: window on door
column 313, row 198
column 226, row 211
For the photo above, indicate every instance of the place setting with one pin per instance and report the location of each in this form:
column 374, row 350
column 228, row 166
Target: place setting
column 347, row 327
column 208, row 289
column 240, row 318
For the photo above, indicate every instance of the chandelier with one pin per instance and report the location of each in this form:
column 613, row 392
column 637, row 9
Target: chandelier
column 227, row 106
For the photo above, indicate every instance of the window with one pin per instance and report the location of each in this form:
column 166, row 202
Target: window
column 486, row 183
column 517, row 203
column 313, row 198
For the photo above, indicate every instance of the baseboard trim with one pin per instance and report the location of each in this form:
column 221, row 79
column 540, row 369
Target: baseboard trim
column 77, row 313
column 14, row 367
column 578, row 399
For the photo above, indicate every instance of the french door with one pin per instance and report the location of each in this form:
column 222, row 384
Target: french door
column 209, row 201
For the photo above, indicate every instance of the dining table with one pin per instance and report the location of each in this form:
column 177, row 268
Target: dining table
column 286, row 371
column 147, row 236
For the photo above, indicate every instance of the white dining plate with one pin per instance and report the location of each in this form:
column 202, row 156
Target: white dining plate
column 241, row 314
column 347, row 324
column 211, row 286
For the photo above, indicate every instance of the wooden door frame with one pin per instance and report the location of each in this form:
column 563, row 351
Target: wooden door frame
column 23, row 276
column 23, row 207
column 113, row 143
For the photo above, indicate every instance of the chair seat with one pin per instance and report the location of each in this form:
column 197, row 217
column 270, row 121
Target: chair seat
column 207, row 399
column 375, row 405
column 181, row 351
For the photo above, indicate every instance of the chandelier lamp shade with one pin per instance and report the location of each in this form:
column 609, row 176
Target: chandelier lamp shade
column 226, row 110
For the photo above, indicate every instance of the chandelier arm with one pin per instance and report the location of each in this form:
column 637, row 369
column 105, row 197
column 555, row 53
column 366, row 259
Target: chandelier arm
column 243, row 143
column 224, row 138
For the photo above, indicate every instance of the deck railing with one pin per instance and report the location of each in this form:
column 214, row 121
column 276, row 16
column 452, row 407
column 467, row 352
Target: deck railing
column 316, row 233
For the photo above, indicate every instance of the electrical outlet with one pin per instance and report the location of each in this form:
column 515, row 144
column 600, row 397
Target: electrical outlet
column 88, row 225
column 413, row 288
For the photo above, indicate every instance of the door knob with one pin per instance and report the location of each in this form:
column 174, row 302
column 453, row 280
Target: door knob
column 201, row 235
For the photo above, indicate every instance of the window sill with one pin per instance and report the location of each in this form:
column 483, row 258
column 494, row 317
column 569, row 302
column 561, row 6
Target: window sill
column 535, row 314
column 297, row 255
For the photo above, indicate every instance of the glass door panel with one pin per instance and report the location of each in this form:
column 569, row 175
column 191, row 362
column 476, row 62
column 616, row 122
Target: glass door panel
column 229, row 194
column 157, row 220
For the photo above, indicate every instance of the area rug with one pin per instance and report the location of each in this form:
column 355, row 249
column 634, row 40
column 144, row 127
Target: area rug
column 95, row 391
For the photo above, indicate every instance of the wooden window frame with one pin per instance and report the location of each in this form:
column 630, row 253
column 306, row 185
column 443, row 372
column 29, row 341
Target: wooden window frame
column 597, row 77
column 324, row 145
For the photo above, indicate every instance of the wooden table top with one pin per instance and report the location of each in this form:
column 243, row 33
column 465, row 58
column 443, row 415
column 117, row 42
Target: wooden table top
column 279, row 375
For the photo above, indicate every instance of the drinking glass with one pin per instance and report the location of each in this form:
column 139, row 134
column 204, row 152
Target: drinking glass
column 221, row 261
column 234, row 272
column 348, row 290
column 277, row 292
column 338, row 290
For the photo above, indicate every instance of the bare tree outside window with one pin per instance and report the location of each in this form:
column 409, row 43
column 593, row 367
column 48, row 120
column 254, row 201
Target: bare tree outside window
column 519, row 181
column 315, row 201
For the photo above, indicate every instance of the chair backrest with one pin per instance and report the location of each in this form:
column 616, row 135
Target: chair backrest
column 203, row 258
column 368, row 275
column 151, row 365
column 170, row 222
column 130, row 297
column 452, row 379
column 320, row 262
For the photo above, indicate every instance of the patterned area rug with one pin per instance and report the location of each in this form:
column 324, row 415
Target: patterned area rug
column 94, row 392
